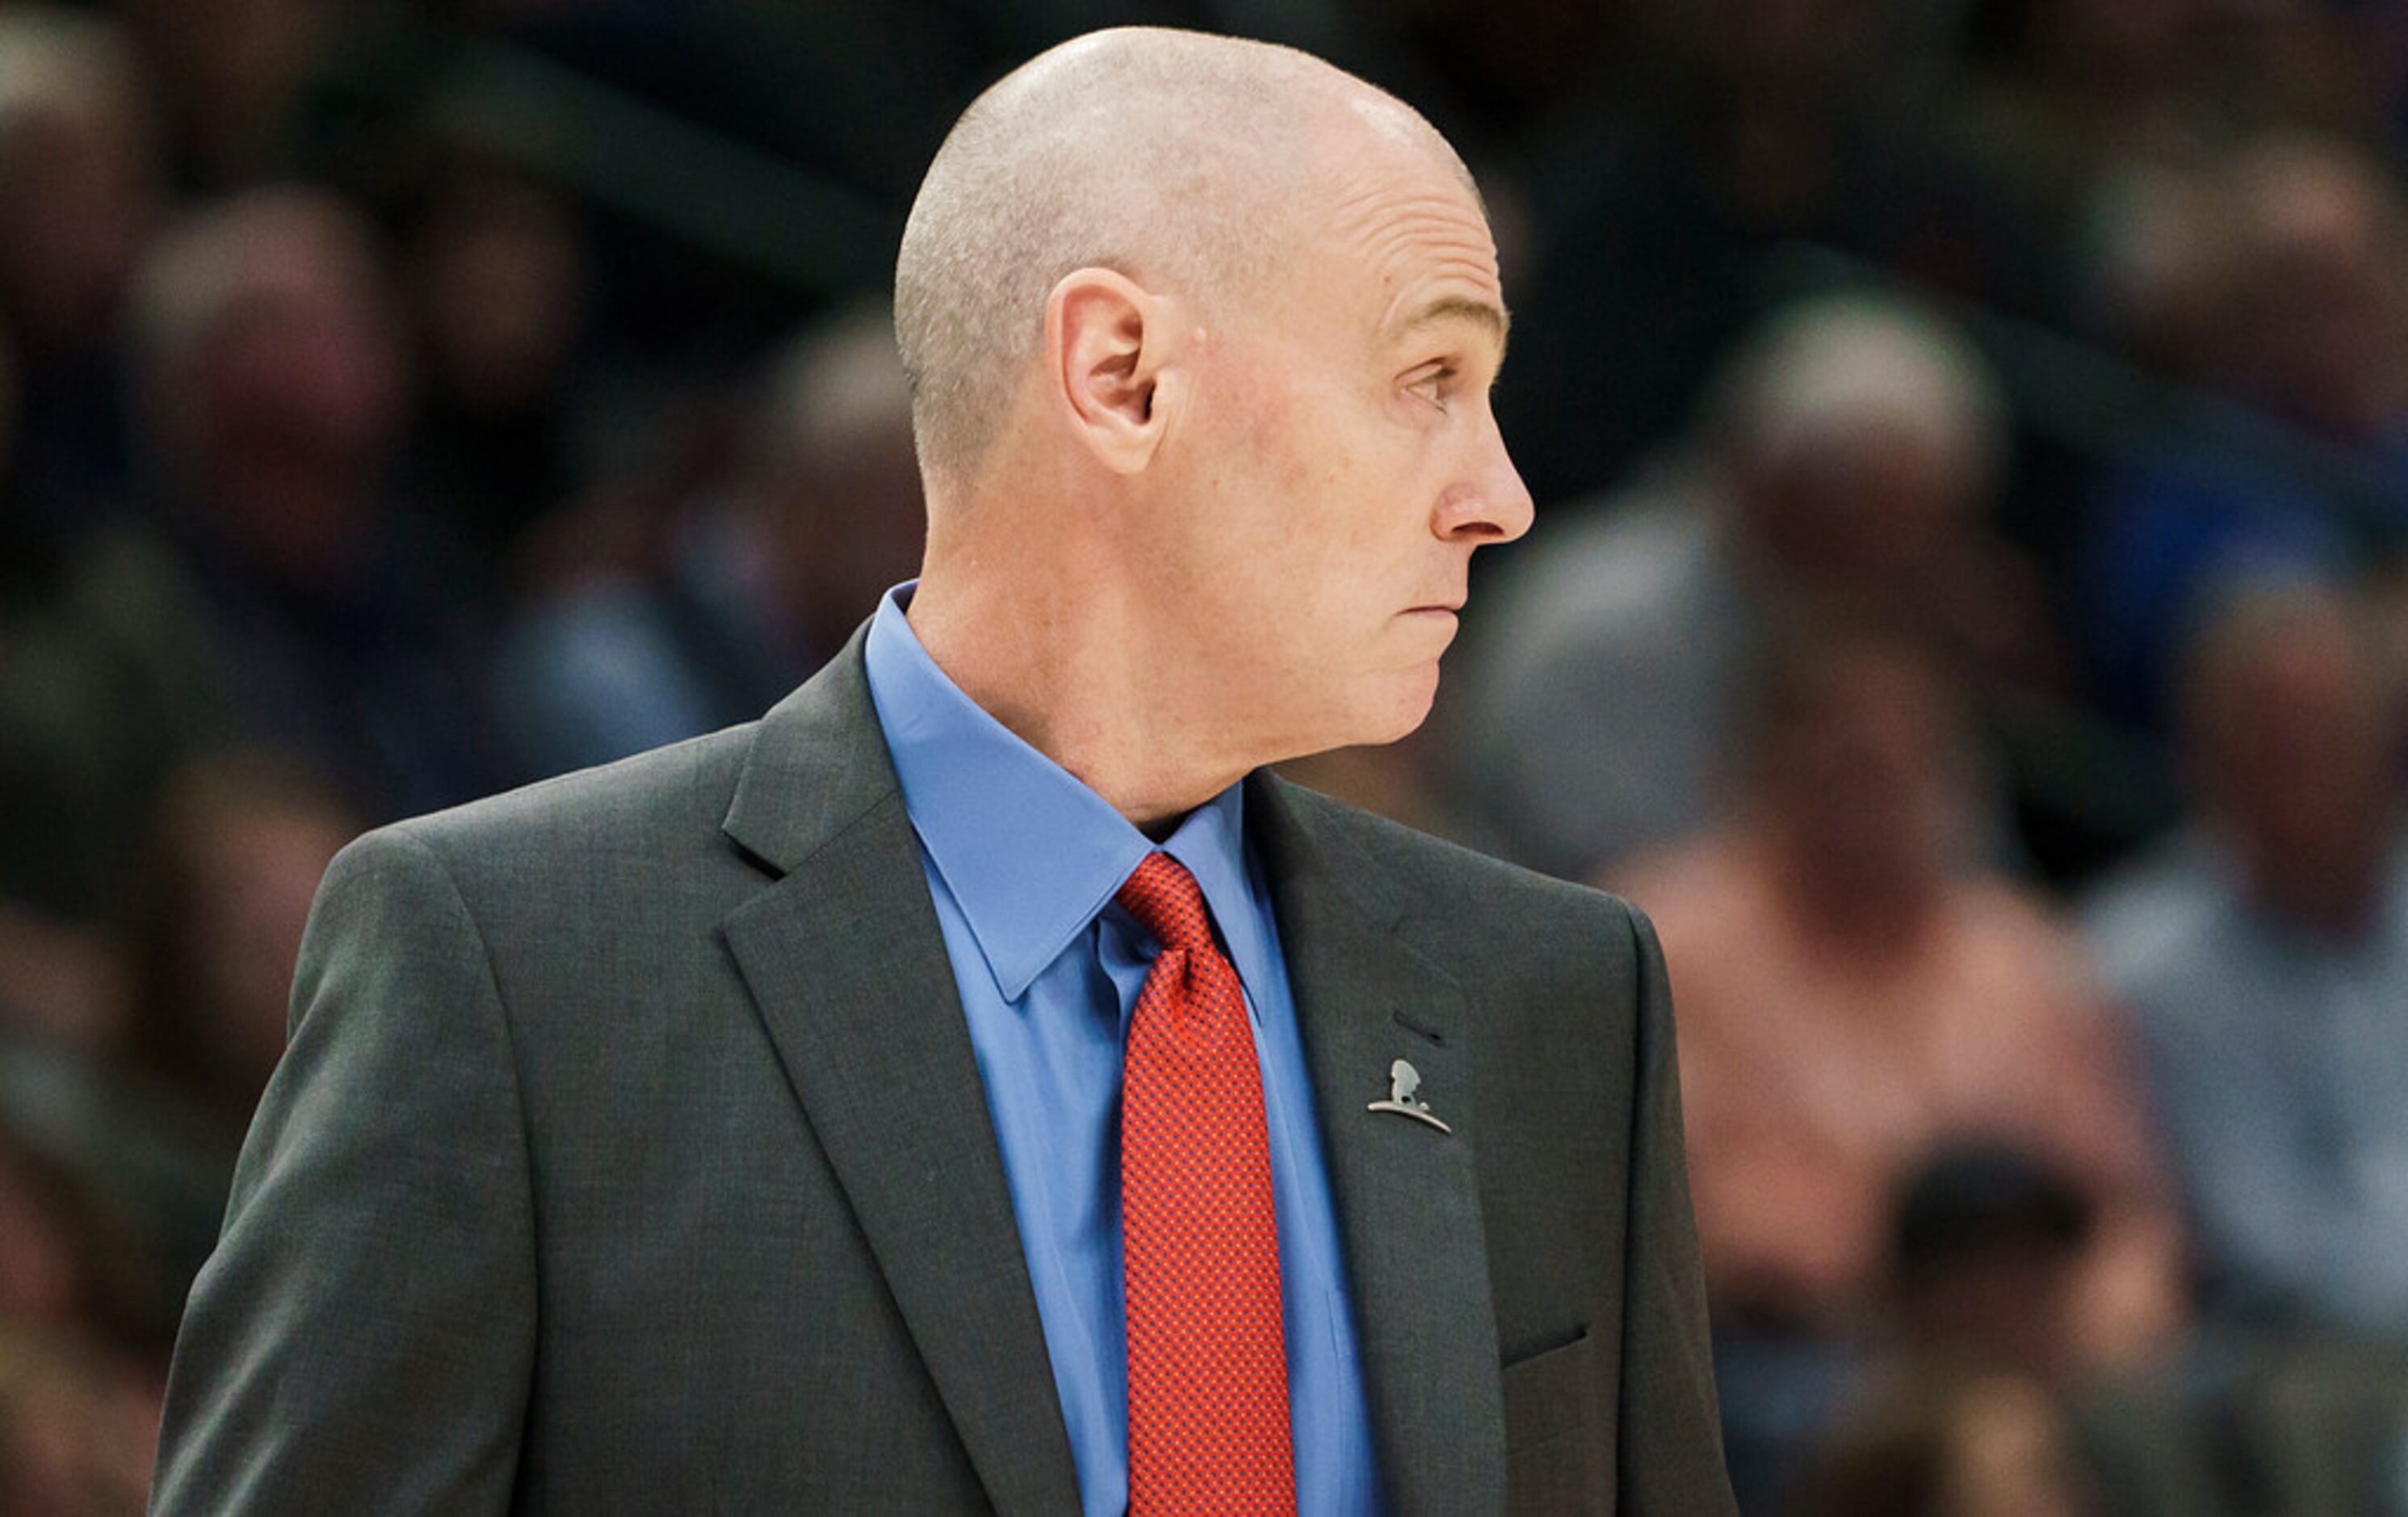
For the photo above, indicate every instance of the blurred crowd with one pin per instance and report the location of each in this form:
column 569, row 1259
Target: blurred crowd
column 1965, row 612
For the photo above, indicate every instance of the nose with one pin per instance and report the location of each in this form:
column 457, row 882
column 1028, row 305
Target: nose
column 1488, row 503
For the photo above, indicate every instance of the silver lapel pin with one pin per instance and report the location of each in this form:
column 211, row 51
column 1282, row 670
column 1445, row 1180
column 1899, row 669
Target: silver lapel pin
column 1404, row 1085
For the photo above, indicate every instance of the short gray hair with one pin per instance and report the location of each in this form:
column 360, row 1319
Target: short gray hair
column 56, row 62
column 200, row 271
column 1829, row 366
column 833, row 385
column 1166, row 156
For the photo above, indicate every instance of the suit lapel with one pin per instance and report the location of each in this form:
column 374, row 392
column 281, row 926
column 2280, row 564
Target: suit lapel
column 846, row 962
column 1407, row 1195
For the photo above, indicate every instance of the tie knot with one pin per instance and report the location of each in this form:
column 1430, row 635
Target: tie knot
column 1166, row 901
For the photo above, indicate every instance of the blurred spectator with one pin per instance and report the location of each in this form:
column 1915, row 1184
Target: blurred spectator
column 2159, row 270
column 1987, row 1446
column 2057, row 92
column 102, row 686
column 2282, row 1423
column 2316, row 66
column 240, row 843
column 261, row 494
column 1849, row 456
column 273, row 382
column 120, row 1121
column 45, row 1263
column 78, row 194
column 2060, row 97
column 1852, row 994
column 1988, row 1244
column 77, row 1431
column 2263, row 959
column 233, row 864
column 63, row 983
column 277, row 396
column 1987, row 1247
column 2306, row 321
column 75, row 1255
column 756, row 584
column 2321, row 329
column 497, row 280
column 1736, row 133
column 287, row 600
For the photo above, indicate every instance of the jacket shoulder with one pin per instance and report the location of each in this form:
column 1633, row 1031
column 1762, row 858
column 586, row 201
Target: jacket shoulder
column 661, row 802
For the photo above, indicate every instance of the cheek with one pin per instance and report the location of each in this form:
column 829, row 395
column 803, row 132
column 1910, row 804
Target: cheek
column 1307, row 548
column 1297, row 437
column 1275, row 516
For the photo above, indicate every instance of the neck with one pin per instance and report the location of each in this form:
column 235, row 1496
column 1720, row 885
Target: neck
column 1065, row 659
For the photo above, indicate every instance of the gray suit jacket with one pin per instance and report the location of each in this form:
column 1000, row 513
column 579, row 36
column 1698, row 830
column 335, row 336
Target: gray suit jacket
column 629, row 1155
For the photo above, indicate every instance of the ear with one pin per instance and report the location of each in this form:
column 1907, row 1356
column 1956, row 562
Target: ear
column 1111, row 352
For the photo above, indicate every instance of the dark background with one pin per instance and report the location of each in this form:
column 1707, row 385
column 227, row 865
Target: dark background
column 401, row 402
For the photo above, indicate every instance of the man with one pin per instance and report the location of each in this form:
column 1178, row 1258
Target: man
column 2261, row 956
column 744, row 1127
column 1856, row 995
column 277, row 593
column 2305, row 319
column 1844, row 459
column 763, row 573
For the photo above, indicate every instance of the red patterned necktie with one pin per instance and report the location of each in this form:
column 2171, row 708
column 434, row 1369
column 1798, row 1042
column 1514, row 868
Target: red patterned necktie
column 1207, row 1413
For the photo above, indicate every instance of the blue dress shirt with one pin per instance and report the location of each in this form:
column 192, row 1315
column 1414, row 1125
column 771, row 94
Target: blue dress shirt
column 1023, row 862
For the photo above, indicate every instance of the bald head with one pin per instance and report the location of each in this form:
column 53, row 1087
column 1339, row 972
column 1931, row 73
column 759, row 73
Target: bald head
column 1177, row 158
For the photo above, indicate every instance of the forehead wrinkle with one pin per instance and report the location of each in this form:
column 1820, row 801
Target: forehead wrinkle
column 1382, row 154
column 1440, row 249
column 1381, row 212
column 1415, row 241
column 1433, row 228
column 1428, row 257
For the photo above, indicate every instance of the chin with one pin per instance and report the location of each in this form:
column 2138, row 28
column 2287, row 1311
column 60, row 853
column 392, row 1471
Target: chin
column 1402, row 705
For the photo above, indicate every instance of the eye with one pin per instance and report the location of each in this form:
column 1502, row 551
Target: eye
column 1435, row 384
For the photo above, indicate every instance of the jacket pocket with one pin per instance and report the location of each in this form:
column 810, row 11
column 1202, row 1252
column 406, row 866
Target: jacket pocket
column 1557, row 1452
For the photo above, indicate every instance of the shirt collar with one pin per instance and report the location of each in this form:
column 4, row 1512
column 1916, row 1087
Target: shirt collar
column 1029, row 853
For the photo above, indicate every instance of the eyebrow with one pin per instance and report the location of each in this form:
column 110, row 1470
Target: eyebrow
column 1481, row 313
